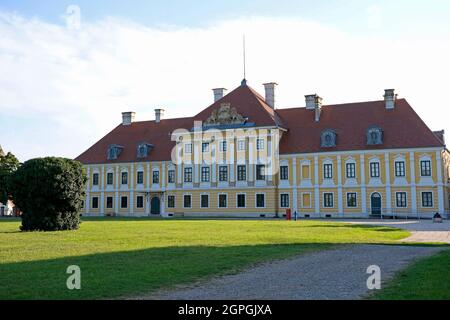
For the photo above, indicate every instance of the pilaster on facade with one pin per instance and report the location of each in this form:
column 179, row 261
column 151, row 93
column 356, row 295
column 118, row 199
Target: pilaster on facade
column 316, row 185
column 388, row 182
column 412, row 162
column 87, row 204
column 340, row 195
column 440, row 184
column 362, row 161
column 294, row 183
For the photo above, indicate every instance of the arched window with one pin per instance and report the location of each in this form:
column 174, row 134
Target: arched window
column 328, row 139
column 374, row 136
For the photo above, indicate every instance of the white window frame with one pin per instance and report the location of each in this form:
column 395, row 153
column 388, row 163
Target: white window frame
column 281, row 200
column 218, row 200
column 323, row 200
column 242, row 145
column 256, row 200
column 396, row 199
column 310, row 200
column 237, row 200
column 346, row 200
column 209, row 200
column 184, row 195
column 260, row 144
column 188, row 147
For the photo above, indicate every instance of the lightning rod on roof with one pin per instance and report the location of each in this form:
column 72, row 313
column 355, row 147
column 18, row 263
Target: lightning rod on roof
column 244, row 82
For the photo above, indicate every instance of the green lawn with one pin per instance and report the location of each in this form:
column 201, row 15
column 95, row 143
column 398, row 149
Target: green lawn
column 122, row 257
column 426, row 279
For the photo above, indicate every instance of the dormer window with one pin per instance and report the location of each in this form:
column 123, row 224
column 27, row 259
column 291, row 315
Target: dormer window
column 114, row 151
column 328, row 139
column 143, row 150
column 374, row 136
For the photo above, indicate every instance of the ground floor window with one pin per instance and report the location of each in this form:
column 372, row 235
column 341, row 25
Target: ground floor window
column 222, row 200
column 124, row 202
column 140, row 202
column 187, row 201
column 284, row 203
column 261, row 200
column 401, row 199
column 204, row 200
column 95, row 203
column 241, row 201
column 109, row 202
column 328, row 200
column 351, row 200
column 427, row 199
column 171, row 201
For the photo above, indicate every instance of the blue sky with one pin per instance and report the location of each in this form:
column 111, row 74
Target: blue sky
column 61, row 90
column 404, row 16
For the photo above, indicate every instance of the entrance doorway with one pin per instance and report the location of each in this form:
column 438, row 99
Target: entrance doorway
column 155, row 205
column 375, row 202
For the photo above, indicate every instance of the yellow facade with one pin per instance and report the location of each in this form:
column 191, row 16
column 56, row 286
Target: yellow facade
column 305, row 187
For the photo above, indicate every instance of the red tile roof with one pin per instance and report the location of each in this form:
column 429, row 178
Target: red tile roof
column 402, row 128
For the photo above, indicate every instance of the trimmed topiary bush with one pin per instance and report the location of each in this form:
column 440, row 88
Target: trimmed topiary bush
column 50, row 192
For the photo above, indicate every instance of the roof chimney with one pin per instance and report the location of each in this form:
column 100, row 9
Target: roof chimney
column 314, row 102
column 159, row 113
column 128, row 118
column 219, row 93
column 270, row 93
column 389, row 98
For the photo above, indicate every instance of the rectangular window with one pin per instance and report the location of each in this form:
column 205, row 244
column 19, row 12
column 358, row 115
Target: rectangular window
column 260, row 200
column 399, row 168
column 328, row 171
column 95, row 203
column 351, row 200
column 427, row 199
column 140, row 202
column 155, row 177
column 241, row 201
column 109, row 203
column 351, row 170
column 284, row 203
column 187, row 203
column 284, row 173
column 140, row 177
column 171, row 202
column 328, row 200
column 205, row 147
column 110, row 178
column 400, row 198
column 124, row 178
column 241, row 145
column 242, row 173
column 204, row 200
column 374, row 170
column 425, row 168
column 206, row 175
column 171, row 176
column 223, row 173
column 223, row 146
column 95, row 179
column 124, row 202
column 260, row 144
column 188, row 175
column 188, row 148
column 223, row 201
column 82, row 204
column 260, row 172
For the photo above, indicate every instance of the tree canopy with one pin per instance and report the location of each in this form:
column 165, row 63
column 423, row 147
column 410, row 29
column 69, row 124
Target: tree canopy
column 50, row 192
column 8, row 165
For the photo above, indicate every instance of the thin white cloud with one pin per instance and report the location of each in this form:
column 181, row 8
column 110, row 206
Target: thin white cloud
column 76, row 83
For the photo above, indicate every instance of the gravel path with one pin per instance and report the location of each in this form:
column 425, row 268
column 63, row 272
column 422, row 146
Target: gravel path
column 333, row 274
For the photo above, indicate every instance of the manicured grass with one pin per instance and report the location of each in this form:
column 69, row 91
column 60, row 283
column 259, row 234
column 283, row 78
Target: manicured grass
column 122, row 257
column 427, row 279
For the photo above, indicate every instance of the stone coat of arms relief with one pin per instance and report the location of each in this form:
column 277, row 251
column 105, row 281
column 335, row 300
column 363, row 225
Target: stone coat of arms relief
column 226, row 114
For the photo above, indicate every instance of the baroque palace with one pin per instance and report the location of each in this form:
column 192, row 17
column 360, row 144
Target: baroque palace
column 244, row 157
